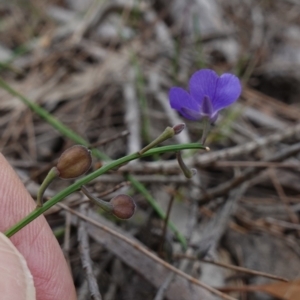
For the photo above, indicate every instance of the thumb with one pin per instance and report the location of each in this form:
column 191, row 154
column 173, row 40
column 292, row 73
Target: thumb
column 16, row 281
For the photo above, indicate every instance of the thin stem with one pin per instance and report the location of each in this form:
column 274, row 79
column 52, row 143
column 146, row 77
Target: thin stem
column 106, row 206
column 77, row 185
column 206, row 128
column 167, row 134
column 52, row 174
column 164, row 231
column 188, row 173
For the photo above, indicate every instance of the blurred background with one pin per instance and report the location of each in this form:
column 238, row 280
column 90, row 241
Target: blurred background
column 104, row 69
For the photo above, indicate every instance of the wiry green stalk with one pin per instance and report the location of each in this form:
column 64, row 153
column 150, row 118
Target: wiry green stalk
column 110, row 166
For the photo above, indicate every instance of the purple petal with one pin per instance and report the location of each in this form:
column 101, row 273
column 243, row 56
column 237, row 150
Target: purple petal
column 179, row 99
column 191, row 114
column 207, row 108
column 214, row 117
column 203, row 83
column 228, row 91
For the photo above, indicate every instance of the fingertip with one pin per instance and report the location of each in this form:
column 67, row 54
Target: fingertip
column 36, row 242
column 16, row 281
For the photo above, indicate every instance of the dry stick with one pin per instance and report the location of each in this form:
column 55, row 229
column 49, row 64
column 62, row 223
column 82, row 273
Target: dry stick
column 103, row 194
column 84, row 249
column 217, row 225
column 132, row 114
column 116, row 277
column 247, row 174
column 110, row 139
column 234, row 268
column 206, row 159
column 147, row 253
column 166, row 220
column 278, row 106
column 115, row 188
column 282, row 196
column 257, row 164
column 283, row 224
column 90, row 19
column 160, row 295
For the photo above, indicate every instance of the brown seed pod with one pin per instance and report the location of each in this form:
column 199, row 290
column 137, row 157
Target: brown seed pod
column 74, row 162
column 123, row 206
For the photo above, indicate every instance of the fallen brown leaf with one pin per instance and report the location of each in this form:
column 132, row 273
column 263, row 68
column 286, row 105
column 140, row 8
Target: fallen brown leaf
column 282, row 290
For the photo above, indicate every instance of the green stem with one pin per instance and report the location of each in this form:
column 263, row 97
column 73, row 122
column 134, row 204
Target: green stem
column 53, row 173
column 188, row 173
column 77, row 185
column 106, row 206
column 167, row 134
column 206, row 128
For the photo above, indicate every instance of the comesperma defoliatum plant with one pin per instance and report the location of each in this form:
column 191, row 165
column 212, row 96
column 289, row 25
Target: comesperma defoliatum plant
column 208, row 94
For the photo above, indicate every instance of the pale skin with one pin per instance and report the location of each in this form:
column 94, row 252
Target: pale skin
column 35, row 244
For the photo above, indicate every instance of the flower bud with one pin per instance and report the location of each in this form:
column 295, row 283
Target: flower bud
column 168, row 133
column 178, row 128
column 123, row 206
column 74, row 162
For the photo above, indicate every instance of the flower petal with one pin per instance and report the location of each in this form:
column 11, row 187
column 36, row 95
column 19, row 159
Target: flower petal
column 191, row 114
column 207, row 108
column 228, row 91
column 203, row 83
column 179, row 99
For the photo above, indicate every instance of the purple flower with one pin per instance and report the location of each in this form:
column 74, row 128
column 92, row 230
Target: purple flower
column 209, row 93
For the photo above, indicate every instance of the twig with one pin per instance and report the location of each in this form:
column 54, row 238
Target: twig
column 257, row 164
column 278, row 187
column 147, row 253
column 84, row 249
column 110, row 139
column 162, row 290
column 206, row 159
column 164, row 231
column 235, row 268
column 92, row 16
column 214, row 231
column 132, row 115
column 247, row 174
column 116, row 279
column 283, row 224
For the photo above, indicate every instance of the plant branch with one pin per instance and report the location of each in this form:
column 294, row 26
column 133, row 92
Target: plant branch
column 77, row 185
